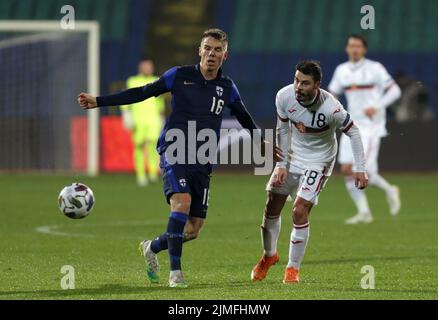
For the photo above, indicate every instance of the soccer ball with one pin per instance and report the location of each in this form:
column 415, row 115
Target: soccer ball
column 76, row 201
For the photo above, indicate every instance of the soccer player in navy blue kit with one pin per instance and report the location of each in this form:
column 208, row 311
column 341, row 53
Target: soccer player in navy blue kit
column 199, row 93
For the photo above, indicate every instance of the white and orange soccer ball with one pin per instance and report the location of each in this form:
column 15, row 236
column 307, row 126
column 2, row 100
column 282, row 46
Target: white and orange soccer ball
column 76, row 201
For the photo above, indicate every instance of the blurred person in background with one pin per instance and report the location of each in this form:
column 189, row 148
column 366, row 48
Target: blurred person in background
column 369, row 90
column 414, row 105
column 144, row 119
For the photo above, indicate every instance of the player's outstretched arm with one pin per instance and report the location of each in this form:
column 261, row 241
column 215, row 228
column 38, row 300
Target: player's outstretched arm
column 162, row 85
column 130, row 96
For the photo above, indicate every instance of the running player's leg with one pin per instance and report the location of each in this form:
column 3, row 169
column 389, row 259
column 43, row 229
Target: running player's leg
column 358, row 196
column 199, row 191
column 271, row 224
column 191, row 232
column 180, row 205
column 198, row 182
column 298, row 239
column 375, row 179
column 193, row 228
column 270, row 231
column 311, row 185
column 178, row 195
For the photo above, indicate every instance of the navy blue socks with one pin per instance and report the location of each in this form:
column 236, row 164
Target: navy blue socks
column 175, row 235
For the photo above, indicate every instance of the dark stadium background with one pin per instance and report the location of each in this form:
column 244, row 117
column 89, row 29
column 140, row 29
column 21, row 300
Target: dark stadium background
column 267, row 38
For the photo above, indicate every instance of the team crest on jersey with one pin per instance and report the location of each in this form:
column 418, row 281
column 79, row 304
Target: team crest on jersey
column 219, row 91
column 301, row 127
column 182, row 182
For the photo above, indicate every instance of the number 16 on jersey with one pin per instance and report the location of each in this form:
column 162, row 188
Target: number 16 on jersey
column 217, row 106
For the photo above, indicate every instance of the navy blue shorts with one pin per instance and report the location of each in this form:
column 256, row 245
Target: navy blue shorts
column 193, row 179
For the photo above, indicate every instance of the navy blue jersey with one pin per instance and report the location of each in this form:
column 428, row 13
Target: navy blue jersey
column 193, row 99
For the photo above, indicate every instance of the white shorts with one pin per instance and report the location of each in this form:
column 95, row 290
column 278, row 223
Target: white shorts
column 305, row 185
column 371, row 146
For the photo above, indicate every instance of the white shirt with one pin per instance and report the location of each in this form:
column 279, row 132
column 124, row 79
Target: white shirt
column 364, row 84
column 313, row 130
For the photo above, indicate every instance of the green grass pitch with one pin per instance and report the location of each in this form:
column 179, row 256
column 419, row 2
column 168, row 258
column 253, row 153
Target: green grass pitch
column 103, row 247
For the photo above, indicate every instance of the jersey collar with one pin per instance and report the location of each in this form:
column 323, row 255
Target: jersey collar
column 358, row 64
column 219, row 73
column 315, row 100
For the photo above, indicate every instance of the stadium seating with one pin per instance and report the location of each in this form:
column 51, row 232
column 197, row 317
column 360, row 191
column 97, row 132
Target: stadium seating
column 279, row 25
column 268, row 34
column 111, row 14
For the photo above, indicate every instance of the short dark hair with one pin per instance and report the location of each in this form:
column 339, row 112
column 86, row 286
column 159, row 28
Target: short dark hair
column 359, row 37
column 146, row 57
column 217, row 34
column 310, row 67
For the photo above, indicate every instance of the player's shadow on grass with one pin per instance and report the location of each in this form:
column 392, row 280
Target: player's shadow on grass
column 337, row 261
column 361, row 259
column 107, row 289
column 114, row 289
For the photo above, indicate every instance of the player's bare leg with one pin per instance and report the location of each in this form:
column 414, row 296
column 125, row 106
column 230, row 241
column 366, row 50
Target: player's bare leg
column 270, row 231
column 298, row 239
column 193, row 228
column 359, row 198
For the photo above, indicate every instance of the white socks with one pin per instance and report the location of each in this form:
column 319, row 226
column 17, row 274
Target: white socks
column 298, row 242
column 299, row 237
column 270, row 231
column 358, row 196
column 377, row 180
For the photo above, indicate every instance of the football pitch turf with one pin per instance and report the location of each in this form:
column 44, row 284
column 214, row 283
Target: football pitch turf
column 36, row 240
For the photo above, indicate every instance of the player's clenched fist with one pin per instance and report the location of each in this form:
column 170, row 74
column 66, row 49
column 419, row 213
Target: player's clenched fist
column 87, row 101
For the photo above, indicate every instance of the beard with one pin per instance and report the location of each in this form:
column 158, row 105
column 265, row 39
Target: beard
column 302, row 97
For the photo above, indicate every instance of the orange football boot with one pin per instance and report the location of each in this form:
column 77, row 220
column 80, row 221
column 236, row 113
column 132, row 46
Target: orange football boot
column 291, row 275
column 261, row 268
